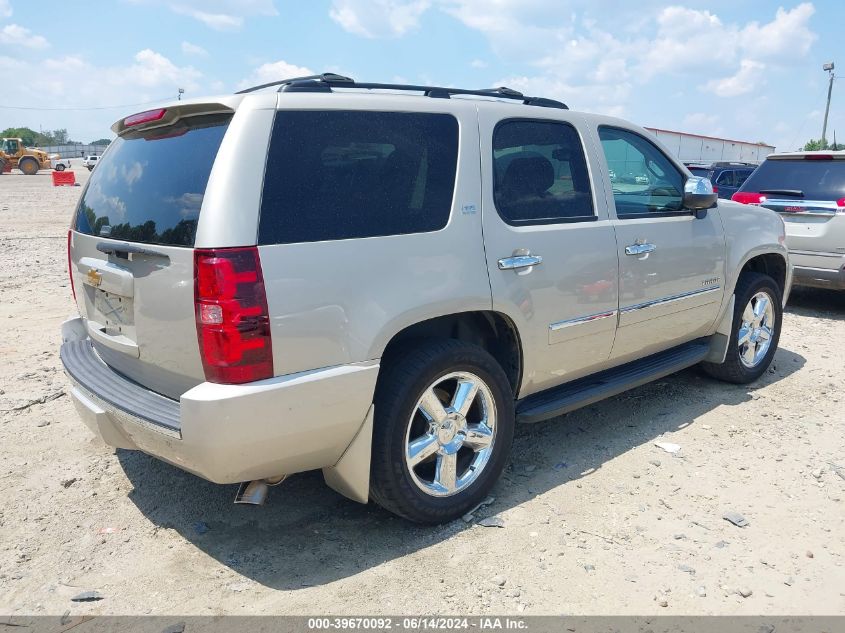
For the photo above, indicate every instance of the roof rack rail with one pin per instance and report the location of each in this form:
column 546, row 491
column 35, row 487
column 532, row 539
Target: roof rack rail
column 326, row 81
column 327, row 78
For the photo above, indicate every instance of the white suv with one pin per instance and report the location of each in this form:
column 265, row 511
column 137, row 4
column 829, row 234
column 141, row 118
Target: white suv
column 90, row 161
column 378, row 281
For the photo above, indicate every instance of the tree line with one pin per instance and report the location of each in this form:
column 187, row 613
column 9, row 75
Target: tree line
column 31, row 138
column 814, row 145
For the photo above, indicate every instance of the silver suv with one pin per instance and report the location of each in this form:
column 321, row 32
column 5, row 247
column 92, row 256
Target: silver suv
column 379, row 281
column 808, row 190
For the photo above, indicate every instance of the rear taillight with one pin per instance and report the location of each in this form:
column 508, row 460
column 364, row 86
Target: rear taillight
column 841, row 203
column 233, row 322
column 70, row 263
column 748, row 197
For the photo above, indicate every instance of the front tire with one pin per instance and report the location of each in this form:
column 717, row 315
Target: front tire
column 28, row 166
column 444, row 422
column 758, row 314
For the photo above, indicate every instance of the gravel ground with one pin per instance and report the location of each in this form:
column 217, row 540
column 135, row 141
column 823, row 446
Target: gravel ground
column 597, row 519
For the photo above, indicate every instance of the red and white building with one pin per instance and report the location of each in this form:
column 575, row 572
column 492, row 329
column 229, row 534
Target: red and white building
column 695, row 148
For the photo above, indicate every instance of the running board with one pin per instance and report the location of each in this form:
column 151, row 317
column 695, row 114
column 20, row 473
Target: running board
column 585, row 391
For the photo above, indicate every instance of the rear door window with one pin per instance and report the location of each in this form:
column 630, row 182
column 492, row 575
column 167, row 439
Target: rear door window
column 540, row 173
column 150, row 187
column 808, row 179
column 337, row 174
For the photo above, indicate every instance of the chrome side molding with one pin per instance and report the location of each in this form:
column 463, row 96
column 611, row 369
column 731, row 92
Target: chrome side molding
column 670, row 299
column 560, row 325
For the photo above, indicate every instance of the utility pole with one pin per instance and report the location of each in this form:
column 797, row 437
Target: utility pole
column 829, row 68
column 182, row 91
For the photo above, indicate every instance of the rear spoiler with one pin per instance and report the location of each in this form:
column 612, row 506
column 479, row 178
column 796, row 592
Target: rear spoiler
column 171, row 115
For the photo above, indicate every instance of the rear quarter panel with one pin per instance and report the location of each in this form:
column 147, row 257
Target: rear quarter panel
column 341, row 301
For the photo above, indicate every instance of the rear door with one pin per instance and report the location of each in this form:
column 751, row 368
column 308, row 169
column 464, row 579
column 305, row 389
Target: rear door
column 131, row 249
column 550, row 246
column 808, row 192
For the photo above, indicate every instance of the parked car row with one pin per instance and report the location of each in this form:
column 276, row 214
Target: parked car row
column 727, row 177
column 60, row 164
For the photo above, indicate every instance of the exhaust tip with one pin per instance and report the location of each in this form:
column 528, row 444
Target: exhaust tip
column 254, row 493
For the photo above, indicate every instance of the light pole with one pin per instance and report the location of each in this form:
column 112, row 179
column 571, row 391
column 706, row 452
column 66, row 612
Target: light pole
column 182, row 91
column 829, row 68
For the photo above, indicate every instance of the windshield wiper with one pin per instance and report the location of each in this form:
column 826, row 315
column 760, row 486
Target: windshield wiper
column 797, row 193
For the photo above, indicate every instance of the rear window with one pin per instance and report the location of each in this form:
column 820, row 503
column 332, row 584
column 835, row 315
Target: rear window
column 814, row 179
column 150, row 185
column 701, row 172
column 334, row 175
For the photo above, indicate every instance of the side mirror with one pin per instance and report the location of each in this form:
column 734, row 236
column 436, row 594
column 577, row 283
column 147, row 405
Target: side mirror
column 699, row 195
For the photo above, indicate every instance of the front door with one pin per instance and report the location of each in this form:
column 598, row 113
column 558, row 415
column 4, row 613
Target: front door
column 671, row 263
column 550, row 245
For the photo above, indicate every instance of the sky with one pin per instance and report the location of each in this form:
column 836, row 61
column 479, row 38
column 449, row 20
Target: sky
column 749, row 71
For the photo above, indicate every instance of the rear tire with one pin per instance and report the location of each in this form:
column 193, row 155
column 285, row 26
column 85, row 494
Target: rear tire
column 758, row 314
column 443, row 428
column 60, row 167
column 28, row 166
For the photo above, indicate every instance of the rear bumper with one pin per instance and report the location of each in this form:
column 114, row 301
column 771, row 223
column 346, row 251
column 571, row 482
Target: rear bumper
column 819, row 270
column 224, row 433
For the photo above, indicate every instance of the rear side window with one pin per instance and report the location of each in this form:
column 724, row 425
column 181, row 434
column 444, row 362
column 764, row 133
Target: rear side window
column 336, row 174
column 540, row 174
column 808, row 179
column 150, row 186
column 742, row 176
column 725, row 178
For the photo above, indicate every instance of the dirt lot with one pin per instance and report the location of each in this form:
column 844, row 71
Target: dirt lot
column 597, row 519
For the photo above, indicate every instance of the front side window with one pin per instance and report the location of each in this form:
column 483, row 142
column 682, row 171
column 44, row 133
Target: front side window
column 540, row 173
column 647, row 181
column 338, row 174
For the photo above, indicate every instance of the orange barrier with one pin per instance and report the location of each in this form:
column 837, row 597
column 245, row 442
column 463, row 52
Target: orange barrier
column 67, row 178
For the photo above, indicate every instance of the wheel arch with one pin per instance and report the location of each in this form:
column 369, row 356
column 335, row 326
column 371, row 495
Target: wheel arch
column 492, row 331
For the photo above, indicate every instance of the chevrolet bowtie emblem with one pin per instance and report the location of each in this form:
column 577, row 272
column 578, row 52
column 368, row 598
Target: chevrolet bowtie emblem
column 95, row 278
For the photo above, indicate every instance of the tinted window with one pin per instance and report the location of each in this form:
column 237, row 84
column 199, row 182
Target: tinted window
column 742, row 176
column 151, row 184
column 540, row 173
column 647, row 181
column 701, row 172
column 334, row 175
column 725, row 178
column 810, row 179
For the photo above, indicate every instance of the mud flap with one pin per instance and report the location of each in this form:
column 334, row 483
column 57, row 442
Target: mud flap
column 350, row 476
column 720, row 341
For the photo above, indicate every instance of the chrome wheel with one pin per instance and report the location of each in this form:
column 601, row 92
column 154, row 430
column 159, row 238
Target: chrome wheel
column 450, row 435
column 756, row 330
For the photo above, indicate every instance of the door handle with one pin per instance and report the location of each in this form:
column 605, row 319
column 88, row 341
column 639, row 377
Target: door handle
column 640, row 249
column 519, row 261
